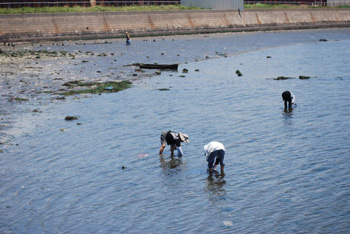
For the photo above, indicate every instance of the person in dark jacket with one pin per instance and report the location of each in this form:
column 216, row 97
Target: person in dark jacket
column 173, row 139
column 289, row 98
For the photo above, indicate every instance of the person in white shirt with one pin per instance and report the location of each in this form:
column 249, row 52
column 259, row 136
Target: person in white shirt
column 215, row 152
column 289, row 97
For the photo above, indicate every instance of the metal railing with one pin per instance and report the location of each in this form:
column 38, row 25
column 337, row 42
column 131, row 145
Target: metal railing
column 85, row 3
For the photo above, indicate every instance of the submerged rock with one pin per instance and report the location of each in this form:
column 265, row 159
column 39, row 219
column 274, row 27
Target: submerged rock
column 238, row 72
column 282, row 78
column 70, row 118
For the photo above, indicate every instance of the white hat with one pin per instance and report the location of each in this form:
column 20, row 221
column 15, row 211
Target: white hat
column 184, row 137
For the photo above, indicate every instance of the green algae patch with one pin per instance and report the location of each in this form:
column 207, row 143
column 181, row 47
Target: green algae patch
column 32, row 54
column 21, row 99
column 97, row 87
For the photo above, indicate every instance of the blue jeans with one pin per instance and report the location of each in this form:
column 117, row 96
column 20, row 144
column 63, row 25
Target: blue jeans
column 219, row 155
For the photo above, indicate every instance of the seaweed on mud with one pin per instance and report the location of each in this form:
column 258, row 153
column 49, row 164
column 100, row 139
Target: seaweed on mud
column 98, row 87
column 31, row 53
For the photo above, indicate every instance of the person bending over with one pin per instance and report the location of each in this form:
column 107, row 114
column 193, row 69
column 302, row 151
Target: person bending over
column 288, row 96
column 173, row 139
column 215, row 151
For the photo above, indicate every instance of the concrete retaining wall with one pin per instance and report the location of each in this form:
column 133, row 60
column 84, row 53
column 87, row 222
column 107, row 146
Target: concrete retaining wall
column 114, row 24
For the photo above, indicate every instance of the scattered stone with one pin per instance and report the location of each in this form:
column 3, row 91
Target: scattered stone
column 70, row 118
column 238, row 72
column 197, row 70
column 158, row 72
column 228, row 223
column 185, row 70
column 304, row 77
column 35, row 111
column 85, row 61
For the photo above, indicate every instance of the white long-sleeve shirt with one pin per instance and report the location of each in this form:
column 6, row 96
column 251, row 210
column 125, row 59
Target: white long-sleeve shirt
column 213, row 146
column 293, row 97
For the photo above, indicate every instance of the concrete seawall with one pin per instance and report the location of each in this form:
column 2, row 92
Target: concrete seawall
column 113, row 24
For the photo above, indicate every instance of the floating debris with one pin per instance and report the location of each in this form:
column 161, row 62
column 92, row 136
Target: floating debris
column 228, row 223
column 142, row 155
column 109, row 88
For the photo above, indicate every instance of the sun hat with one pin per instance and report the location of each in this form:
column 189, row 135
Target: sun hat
column 184, row 137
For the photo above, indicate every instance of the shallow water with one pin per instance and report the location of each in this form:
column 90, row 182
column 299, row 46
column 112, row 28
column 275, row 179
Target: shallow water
column 285, row 171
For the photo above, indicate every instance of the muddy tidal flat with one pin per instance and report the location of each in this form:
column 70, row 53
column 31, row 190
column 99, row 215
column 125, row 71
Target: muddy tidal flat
column 80, row 155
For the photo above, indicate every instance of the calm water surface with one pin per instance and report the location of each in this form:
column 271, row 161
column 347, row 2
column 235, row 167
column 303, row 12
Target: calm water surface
column 286, row 172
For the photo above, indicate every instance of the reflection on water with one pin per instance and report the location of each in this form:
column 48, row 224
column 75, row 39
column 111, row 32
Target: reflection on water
column 215, row 185
column 170, row 163
column 285, row 171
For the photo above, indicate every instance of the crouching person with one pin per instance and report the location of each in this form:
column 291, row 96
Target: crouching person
column 215, row 152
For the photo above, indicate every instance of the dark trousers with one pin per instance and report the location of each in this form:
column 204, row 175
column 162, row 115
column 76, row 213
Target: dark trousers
column 219, row 155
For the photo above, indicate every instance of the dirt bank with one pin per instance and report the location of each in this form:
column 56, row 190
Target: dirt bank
column 113, row 24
